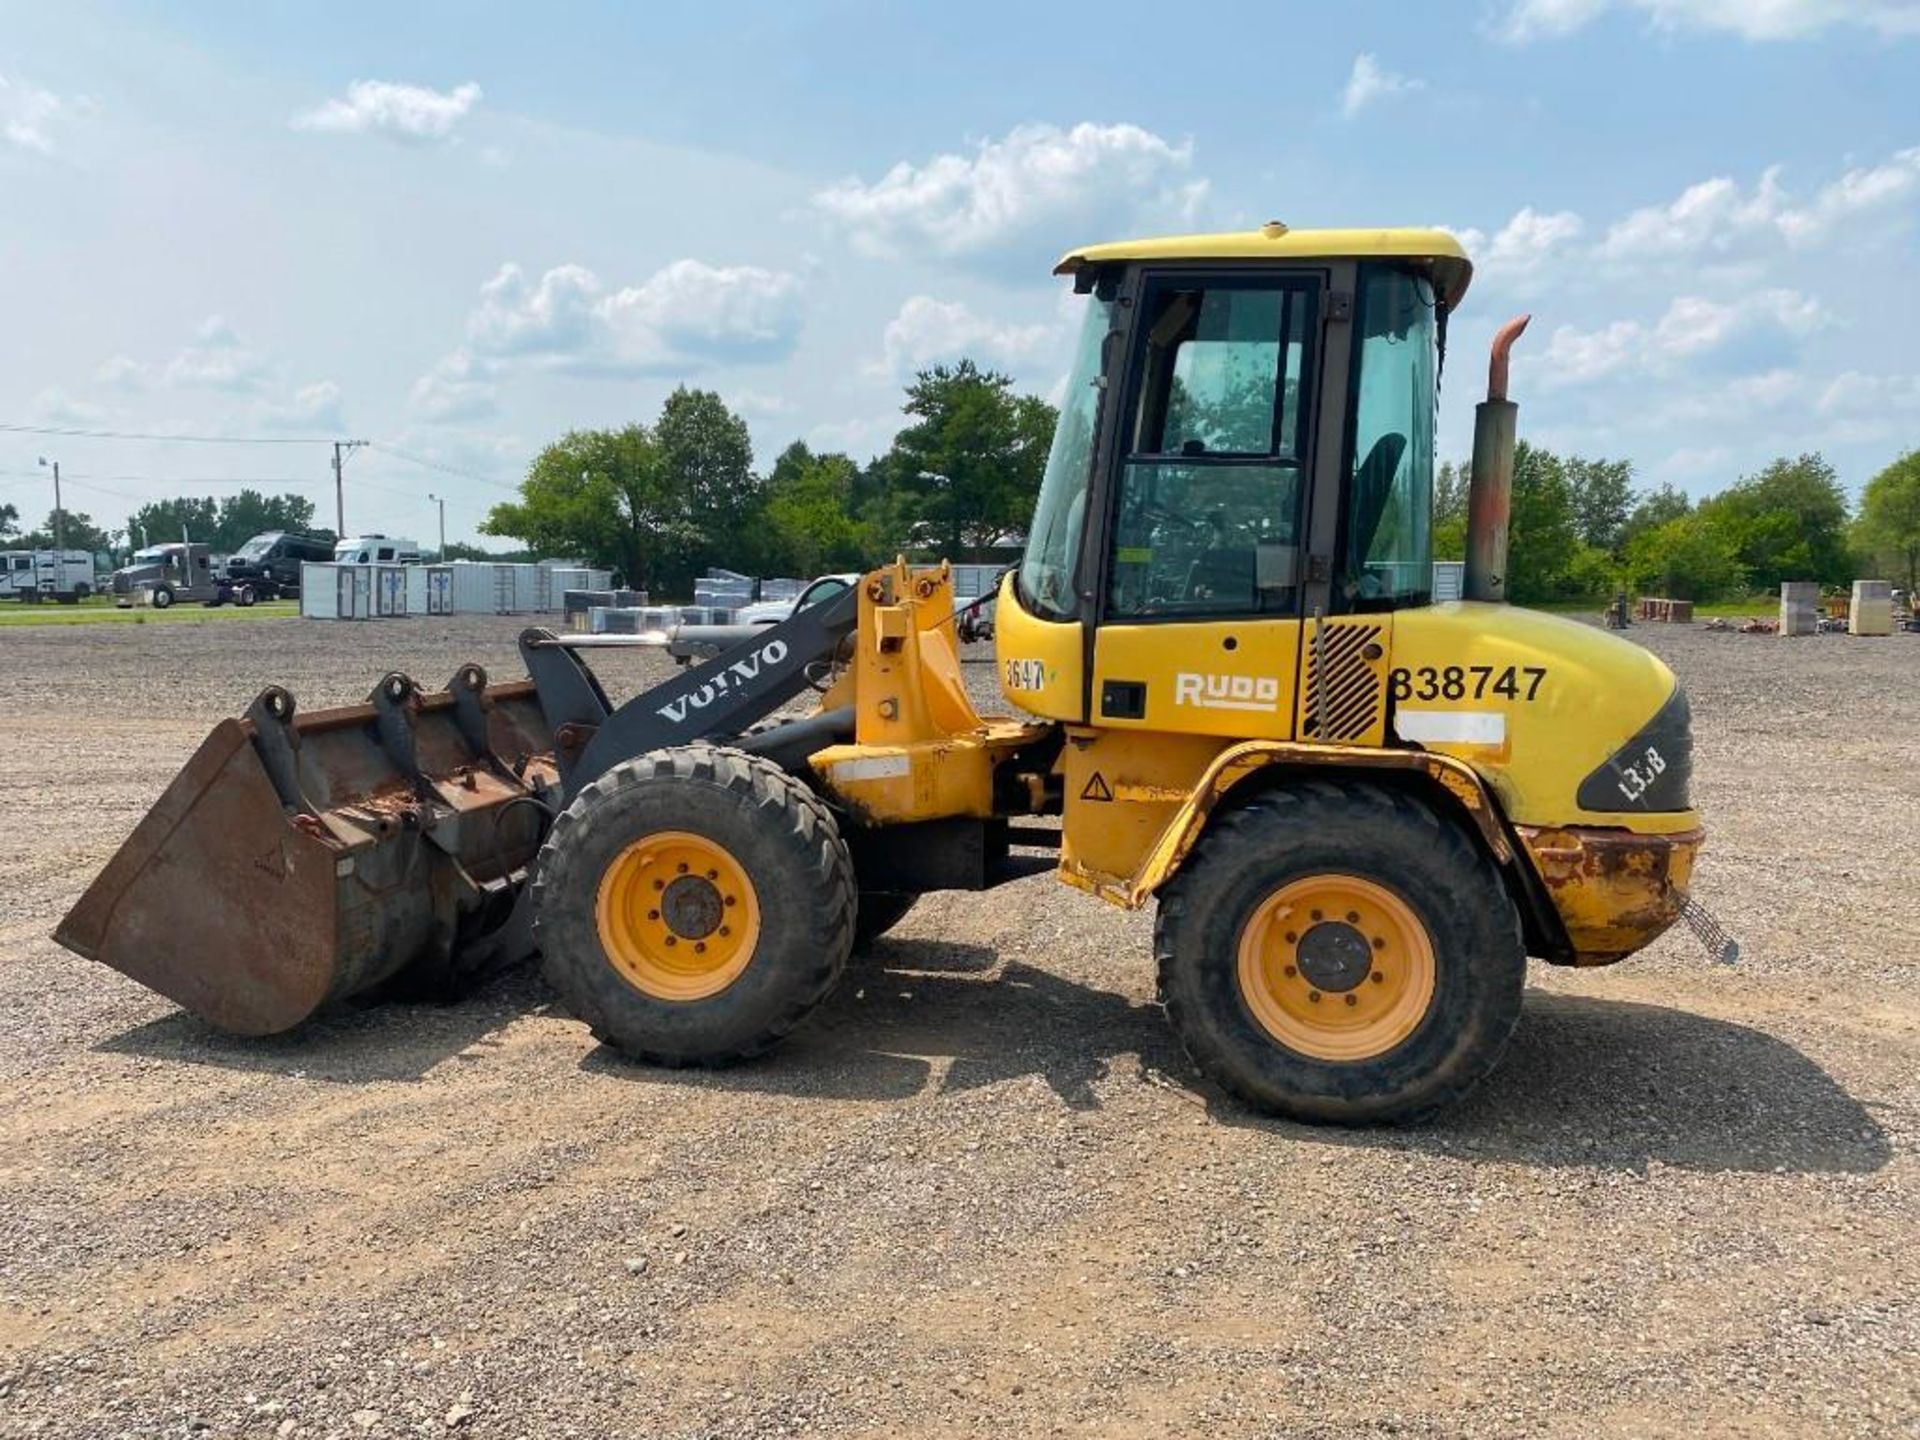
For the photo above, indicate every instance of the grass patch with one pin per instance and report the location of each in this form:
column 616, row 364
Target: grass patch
column 100, row 610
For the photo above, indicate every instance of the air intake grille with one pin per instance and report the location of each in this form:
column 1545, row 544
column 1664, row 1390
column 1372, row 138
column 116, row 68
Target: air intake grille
column 1343, row 688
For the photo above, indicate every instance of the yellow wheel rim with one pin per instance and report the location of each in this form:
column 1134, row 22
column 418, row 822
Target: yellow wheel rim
column 677, row 915
column 1336, row 967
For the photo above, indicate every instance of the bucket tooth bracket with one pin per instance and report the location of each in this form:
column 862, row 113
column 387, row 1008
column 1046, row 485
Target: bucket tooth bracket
column 278, row 745
column 468, row 687
column 394, row 700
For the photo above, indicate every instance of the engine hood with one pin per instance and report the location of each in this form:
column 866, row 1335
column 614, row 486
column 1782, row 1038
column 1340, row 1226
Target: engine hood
column 1569, row 724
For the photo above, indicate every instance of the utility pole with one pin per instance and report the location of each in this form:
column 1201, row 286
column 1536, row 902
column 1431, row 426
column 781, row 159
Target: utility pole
column 440, row 500
column 59, row 510
column 341, row 449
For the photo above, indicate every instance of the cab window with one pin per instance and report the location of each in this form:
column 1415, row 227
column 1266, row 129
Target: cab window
column 1208, row 514
column 1387, row 547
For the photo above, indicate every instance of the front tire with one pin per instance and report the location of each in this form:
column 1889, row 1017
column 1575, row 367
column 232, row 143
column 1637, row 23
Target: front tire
column 162, row 596
column 694, row 905
column 1339, row 953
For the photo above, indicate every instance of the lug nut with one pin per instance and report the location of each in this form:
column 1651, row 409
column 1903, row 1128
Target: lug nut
column 1353, row 917
column 673, row 939
column 713, row 874
column 1291, row 972
column 1377, row 978
column 1353, row 1000
column 1379, row 942
column 725, row 931
column 729, row 899
column 1292, row 936
column 1318, row 916
column 682, row 867
column 653, row 914
column 1314, row 996
column 699, row 947
column 659, row 884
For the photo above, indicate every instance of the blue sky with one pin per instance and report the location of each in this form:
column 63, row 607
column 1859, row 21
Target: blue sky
column 459, row 229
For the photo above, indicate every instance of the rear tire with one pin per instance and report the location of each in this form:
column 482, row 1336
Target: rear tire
column 1294, row 1010
column 694, row 905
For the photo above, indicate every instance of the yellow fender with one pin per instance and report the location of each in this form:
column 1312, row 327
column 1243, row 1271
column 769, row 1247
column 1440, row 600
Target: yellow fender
column 1237, row 762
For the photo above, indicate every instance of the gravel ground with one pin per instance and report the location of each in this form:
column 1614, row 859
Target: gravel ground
column 980, row 1193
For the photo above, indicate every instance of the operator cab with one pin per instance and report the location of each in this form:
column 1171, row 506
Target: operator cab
column 1248, row 434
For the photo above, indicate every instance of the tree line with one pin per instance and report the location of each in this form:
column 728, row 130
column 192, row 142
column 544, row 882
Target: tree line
column 1581, row 531
column 660, row 503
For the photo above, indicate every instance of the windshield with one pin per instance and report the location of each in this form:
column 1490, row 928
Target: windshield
column 153, row 555
column 255, row 548
column 1059, row 516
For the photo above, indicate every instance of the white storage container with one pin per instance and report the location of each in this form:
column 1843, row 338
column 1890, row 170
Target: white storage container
column 480, row 587
column 337, row 592
column 1449, row 579
column 390, row 591
column 533, row 592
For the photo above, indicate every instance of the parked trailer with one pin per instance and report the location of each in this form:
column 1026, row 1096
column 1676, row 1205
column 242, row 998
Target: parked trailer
column 31, row 576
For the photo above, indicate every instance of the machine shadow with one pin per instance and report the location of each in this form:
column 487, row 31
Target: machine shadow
column 1586, row 1081
column 349, row 1043
column 1624, row 1085
column 921, row 1017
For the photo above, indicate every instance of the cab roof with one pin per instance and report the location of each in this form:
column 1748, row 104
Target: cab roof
column 1435, row 251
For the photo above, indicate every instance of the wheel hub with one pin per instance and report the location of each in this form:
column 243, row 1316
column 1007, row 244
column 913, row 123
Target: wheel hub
column 1336, row 967
column 692, row 907
column 1334, row 956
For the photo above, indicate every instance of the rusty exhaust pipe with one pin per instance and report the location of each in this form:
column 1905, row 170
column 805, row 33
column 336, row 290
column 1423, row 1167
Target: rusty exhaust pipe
column 1490, row 483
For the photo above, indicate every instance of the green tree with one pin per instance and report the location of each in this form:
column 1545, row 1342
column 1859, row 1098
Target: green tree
column 1542, row 536
column 1450, row 512
column 162, row 522
column 1652, row 509
column 1789, row 522
column 708, row 456
column 1688, row 558
column 250, row 513
column 1889, row 526
column 1602, row 499
column 810, row 521
column 76, row 531
column 9, row 520
column 608, row 496
column 971, row 460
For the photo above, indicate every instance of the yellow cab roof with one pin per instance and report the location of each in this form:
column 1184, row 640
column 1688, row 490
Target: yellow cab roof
column 1434, row 250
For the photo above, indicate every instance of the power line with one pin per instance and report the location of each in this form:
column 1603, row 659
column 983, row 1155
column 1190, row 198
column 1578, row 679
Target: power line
column 408, row 455
column 145, row 435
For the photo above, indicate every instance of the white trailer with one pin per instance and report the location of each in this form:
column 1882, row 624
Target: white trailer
column 34, row 575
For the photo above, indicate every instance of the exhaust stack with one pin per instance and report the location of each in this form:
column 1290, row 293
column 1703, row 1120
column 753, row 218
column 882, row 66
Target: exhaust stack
column 1490, row 488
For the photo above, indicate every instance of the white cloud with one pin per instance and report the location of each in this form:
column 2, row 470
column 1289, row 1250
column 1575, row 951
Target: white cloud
column 457, row 388
column 1371, row 81
column 27, row 114
column 314, row 407
column 1021, row 194
column 413, row 114
column 57, row 407
column 122, row 372
column 1691, row 327
column 1522, row 21
column 686, row 316
column 1720, row 215
column 1525, row 246
column 759, row 402
column 216, row 360
column 927, row 331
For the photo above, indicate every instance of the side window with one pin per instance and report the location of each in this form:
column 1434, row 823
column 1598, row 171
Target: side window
column 386, row 552
column 1208, row 518
column 1388, row 547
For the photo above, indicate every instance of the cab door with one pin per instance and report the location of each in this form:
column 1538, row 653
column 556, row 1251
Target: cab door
column 1204, row 562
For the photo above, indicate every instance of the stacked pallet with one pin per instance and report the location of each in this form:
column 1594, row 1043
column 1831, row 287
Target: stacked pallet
column 1663, row 611
column 1872, row 610
column 1799, row 607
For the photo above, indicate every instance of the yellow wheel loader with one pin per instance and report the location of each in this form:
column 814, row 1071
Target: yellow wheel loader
column 1356, row 810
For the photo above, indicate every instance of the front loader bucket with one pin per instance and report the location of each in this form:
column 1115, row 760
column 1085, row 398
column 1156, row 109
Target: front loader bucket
column 299, row 859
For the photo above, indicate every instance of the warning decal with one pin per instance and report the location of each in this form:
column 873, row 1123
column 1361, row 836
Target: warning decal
column 1096, row 788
